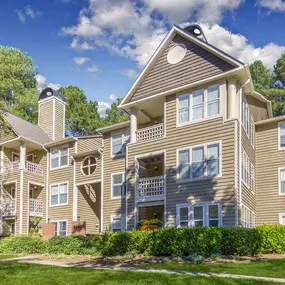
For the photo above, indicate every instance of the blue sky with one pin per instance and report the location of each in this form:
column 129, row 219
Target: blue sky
column 101, row 45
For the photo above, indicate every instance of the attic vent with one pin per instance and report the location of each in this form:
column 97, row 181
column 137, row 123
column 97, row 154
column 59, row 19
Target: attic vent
column 49, row 93
column 176, row 53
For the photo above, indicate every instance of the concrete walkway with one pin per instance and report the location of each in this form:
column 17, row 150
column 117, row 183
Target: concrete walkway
column 36, row 260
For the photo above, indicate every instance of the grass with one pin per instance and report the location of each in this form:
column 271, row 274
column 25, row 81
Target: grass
column 27, row 274
column 270, row 268
column 7, row 256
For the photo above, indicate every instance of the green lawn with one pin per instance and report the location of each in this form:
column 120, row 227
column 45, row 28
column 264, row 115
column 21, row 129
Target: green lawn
column 7, row 256
column 24, row 274
column 270, row 268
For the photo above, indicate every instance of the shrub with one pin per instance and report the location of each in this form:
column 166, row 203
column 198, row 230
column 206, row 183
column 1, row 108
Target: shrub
column 72, row 245
column 22, row 244
column 153, row 222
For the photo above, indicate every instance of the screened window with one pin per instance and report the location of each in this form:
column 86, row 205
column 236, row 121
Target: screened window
column 282, row 135
column 58, row 194
column 245, row 115
column 198, row 162
column 213, row 215
column 245, row 168
column 199, row 104
column 198, row 216
column 282, row 181
column 118, row 185
column 119, row 141
column 61, row 228
column 89, row 165
column 59, row 157
column 184, row 217
column 252, row 178
column 247, row 217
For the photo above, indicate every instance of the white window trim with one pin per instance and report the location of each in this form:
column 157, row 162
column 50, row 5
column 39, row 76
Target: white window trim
column 58, row 148
column 205, row 206
column 178, row 180
column 253, row 182
column 248, row 116
column 205, row 89
column 245, row 208
column 252, row 134
column 279, row 141
column 58, row 184
column 122, row 217
column 122, row 132
column 280, row 218
column 58, row 221
column 248, row 168
column 123, row 182
column 81, row 166
column 279, row 180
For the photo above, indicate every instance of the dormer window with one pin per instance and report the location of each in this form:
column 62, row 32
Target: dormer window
column 199, row 104
column 59, row 157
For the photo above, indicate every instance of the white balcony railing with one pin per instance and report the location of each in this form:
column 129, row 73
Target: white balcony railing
column 8, row 207
column 34, row 168
column 150, row 133
column 151, row 188
column 36, row 207
column 10, row 167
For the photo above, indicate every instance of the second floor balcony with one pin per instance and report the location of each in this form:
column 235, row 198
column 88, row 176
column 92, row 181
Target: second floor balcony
column 36, row 207
column 150, row 133
column 150, row 189
column 14, row 166
column 8, row 207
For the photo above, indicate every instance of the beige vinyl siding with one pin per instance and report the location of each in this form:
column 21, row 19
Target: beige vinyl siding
column 82, row 178
column 59, row 121
column 88, row 144
column 46, row 117
column 111, row 207
column 6, row 134
column 268, row 160
column 62, row 175
column 89, row 206
column 203, row 132
column 258, row 109
column 198, row 64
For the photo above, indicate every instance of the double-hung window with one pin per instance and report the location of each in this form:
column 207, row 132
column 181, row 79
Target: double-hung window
column 199, row 104
column 118, row 185
column 119, row 141
column 199, row 162
column 282, row 181
column 281, row 135
column 252, row 132
column 252, row 178
column 198, row 215
column 247, row 217
column 60, row 228
column 58, row 194
column 245, row 168
column 245, row 115
column 59, row 157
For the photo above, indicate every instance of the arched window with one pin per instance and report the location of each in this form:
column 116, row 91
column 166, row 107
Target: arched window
column 89, row 165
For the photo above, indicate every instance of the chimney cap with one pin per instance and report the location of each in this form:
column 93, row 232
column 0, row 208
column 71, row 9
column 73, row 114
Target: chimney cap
column 49, row 92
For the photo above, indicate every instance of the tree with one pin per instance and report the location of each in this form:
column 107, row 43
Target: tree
column 82, row 117
column 115, row 115
column 17, row 75
column 279, row 69
column 261, row 76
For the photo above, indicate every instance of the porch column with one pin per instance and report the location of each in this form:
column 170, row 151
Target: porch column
column 22, row 168
column 134, row 125
column 23, row 155
column 232, row 91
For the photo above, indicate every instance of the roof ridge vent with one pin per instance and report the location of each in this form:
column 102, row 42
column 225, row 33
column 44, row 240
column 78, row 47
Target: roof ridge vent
column 196, row 31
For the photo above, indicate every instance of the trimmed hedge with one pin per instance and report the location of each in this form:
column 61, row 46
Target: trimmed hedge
column 206, row 241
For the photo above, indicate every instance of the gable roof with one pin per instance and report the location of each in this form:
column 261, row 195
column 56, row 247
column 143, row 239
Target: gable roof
column 26, row 129
column 167, row 40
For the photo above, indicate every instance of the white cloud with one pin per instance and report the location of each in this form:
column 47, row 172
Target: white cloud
column 42, row 83
column 93, row 69
column 80, row 60
column 80, row 45
column 29, row 12
column 239, row 46
column 21, row 16
column 102, row 107
column 130, row 73
column 273, row 5
column 112, row 97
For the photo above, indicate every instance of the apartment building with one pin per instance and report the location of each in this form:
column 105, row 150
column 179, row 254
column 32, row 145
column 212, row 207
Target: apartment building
column 201, row 149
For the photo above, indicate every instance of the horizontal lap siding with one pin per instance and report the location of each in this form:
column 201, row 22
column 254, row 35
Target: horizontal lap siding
column 196, row 65
column 187, row 136
column 111, row 165
column 59, row 121
column 269, row 159
column 258, row 109
column 46, row 117
column 88, row 144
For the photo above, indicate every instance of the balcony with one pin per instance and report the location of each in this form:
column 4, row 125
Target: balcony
column 36, row 207
column 15, row 166
column 8, row 207
column 150, row 133
column 34, row 168
column 151, row 189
